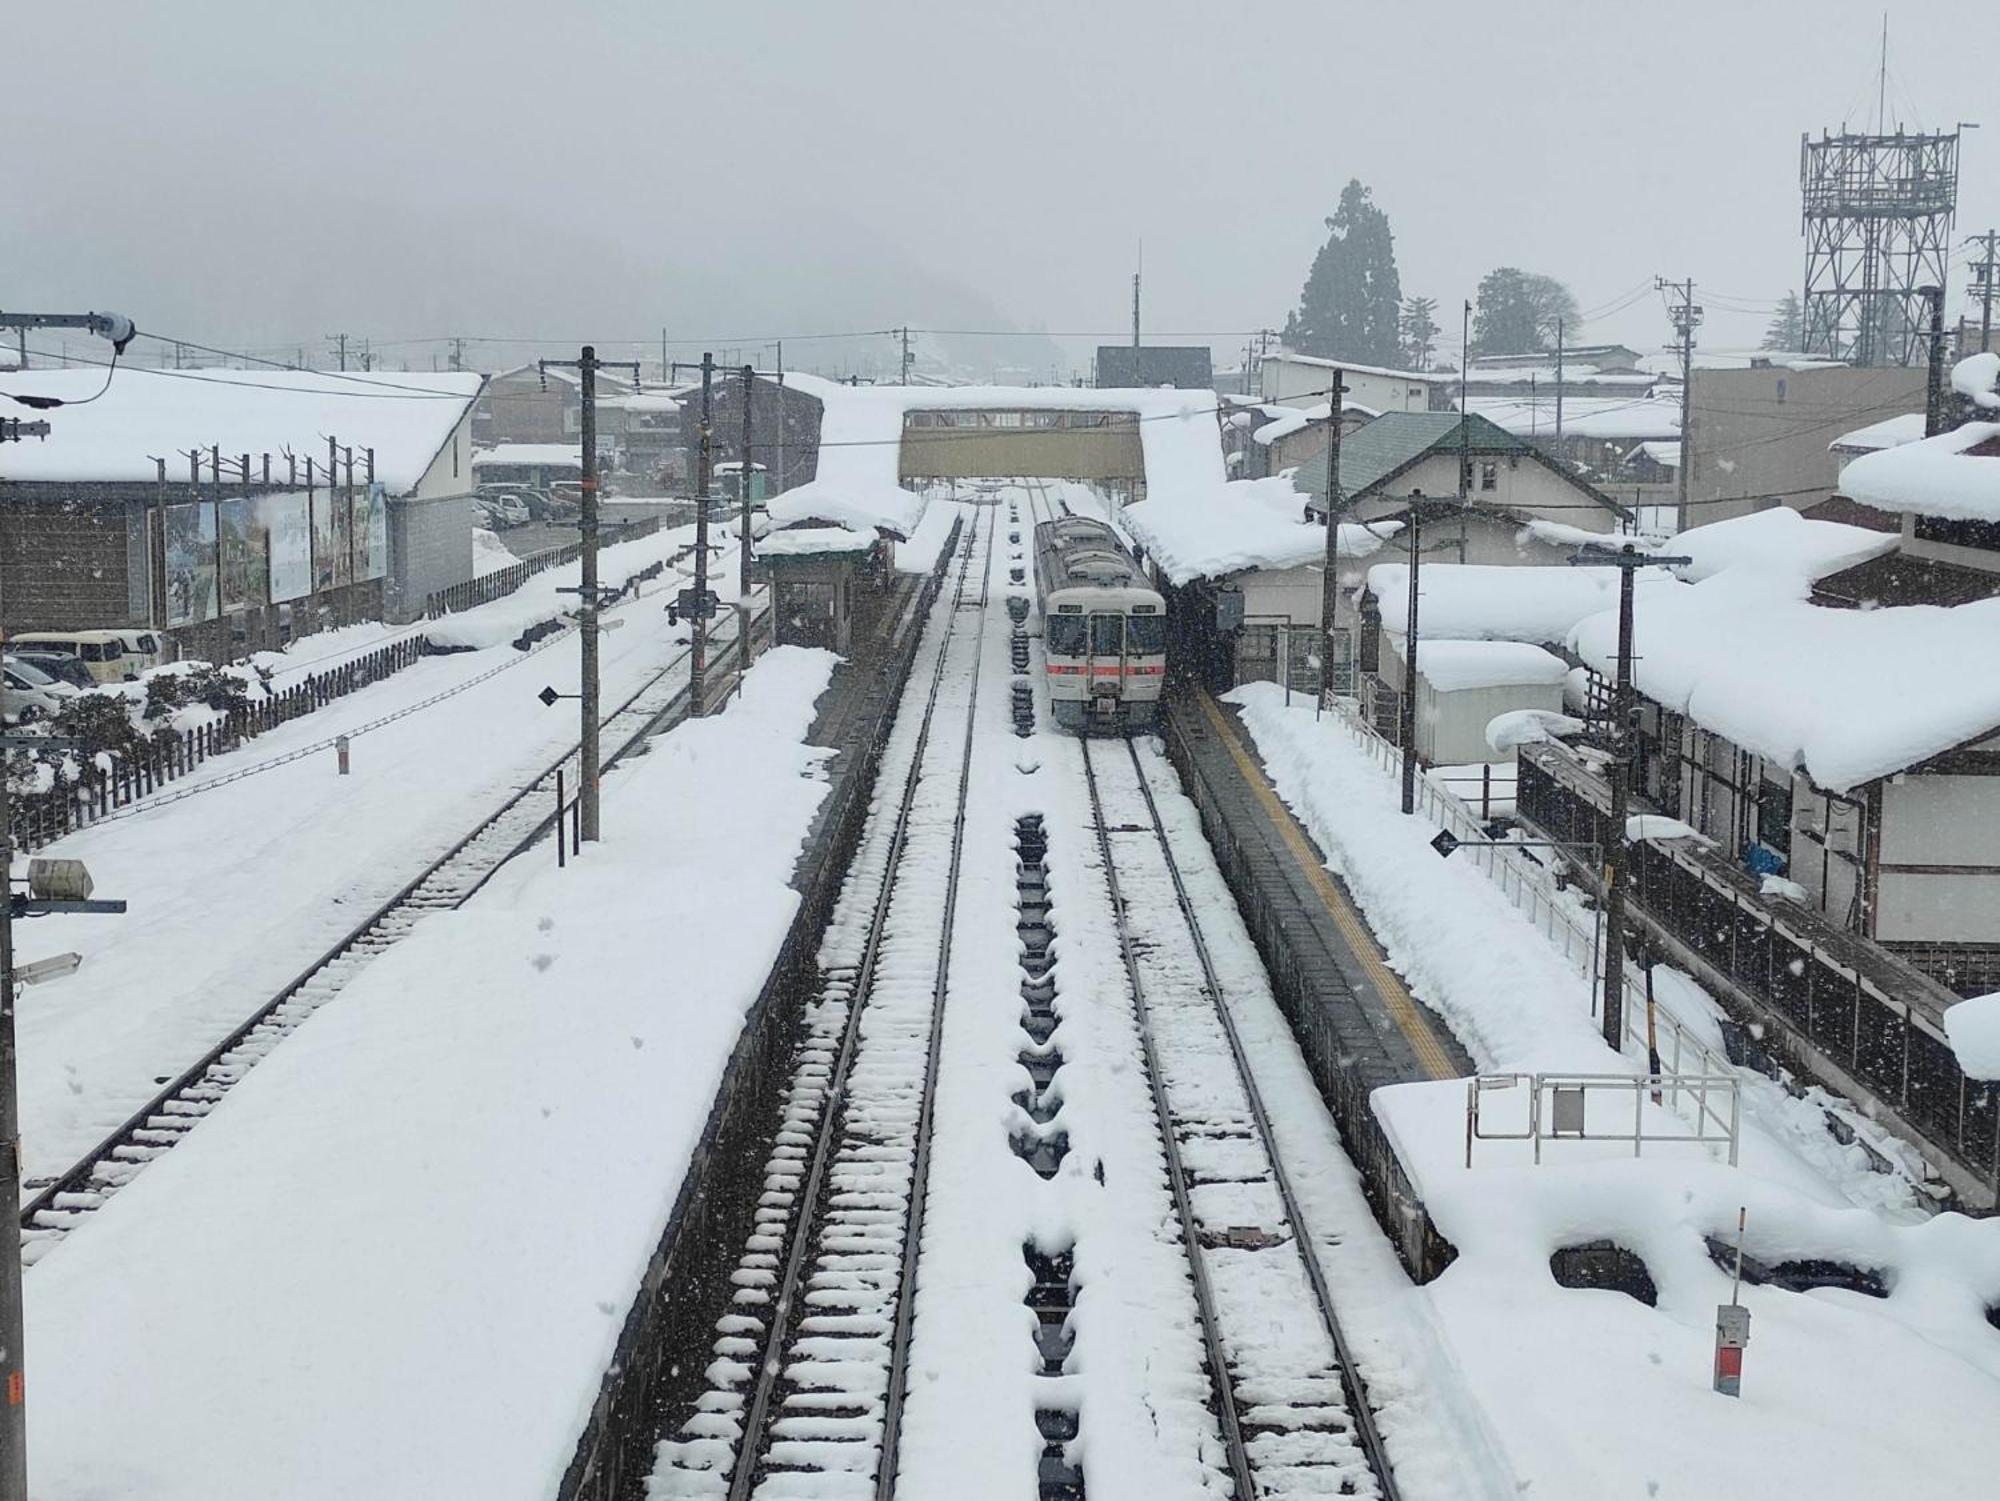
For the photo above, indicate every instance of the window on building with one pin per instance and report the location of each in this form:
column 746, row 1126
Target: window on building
column 1064, row 636
column 1489, row 476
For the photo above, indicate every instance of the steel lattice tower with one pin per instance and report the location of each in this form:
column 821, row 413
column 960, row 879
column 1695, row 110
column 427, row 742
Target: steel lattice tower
column 1877, row 212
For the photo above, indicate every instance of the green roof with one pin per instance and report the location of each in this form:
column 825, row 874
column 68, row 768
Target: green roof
column 1377, row 451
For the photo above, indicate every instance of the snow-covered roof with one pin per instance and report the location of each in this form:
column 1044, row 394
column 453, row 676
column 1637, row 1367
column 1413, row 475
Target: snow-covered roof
column 1746, row 658
column 1939, row 476
column 1974, row 1029
column 1498, row 601
column 1975, row 377
column 1667, row 454
column 1547, row 375
column 1613, row 418
column 548, row 455
column 1450, row 666
column 1426, row 377
column 1228, row 528
column 1890, row 432
column 643, row 401
column 862, row 506
column 1298, row 419
column 1779, row 540
column 812, row 541
column 146, row 414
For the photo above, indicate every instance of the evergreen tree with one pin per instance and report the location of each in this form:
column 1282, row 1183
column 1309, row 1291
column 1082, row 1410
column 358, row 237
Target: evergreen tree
column 1351, row 306
column 1788, row 326
column 1518, row 311
column 1419, row 330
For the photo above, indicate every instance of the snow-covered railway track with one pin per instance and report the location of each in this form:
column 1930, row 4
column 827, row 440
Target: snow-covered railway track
column 60, row 1204
column 805, row 1394
column 1288, row 1396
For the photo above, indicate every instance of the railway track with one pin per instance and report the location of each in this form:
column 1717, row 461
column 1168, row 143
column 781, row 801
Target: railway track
column 1287, row 1394
column 62, row 1203
column 807, row 1383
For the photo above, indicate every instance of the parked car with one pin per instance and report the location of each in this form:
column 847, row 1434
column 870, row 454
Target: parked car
column 501, row 512
column 104, row 653
column 27, row 693
column 63, row 669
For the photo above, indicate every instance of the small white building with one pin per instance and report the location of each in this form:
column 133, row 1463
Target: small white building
column 1462, row 686
column 1300, row 380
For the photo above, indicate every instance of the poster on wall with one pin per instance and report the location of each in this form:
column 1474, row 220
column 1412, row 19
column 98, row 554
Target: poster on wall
column 245, row 572
column 365, row 520
column 378, row 531
column 287, row 523
column 190, row 551
column 332, row 565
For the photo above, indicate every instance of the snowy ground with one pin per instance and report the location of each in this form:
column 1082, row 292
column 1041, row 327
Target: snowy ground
column 1835, row 1382
column 238, row 882
column 394, row 1262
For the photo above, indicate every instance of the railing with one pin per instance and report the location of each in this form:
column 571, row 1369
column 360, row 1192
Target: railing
column 1558, row 1109
column 504, row 581
column 1527, row 883
column 42, row 818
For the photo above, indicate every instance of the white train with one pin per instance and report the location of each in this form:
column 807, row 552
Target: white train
column 1104, row 629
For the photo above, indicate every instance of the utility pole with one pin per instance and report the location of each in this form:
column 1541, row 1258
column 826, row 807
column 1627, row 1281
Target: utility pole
column 1329, row 595
column 337, row 339
column 1464, row 432
column 1135, row 309
column 1407, row 709
column 743, row 534
column 118, row 331
column 587, row 364
column 1934, row 419
column 906, row 355
column 779, row 472
column 1559, row 387
column 1687, row 317
column 458, row 354
column 698, row 652
column 1629, row 560
column 1982, row 287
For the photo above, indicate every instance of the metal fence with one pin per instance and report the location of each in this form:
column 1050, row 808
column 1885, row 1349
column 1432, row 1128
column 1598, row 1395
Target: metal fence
column 1531, row 887
column 1558, row 1109
column 504, row 581
column 42, row 818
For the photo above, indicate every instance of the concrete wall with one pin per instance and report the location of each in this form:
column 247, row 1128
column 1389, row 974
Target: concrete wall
column 1759, row 433
column 430, row 548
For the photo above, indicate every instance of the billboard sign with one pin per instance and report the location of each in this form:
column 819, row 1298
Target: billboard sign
column 190, row 557
column 245, row 569
column 287, row 522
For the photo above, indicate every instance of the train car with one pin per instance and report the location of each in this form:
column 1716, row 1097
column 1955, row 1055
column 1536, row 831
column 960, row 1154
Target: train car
column 1104, row 629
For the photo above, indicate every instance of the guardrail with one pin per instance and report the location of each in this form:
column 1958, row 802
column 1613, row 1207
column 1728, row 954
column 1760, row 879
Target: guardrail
column 1558, row 1109
column 504, row 581
column 1527, row 883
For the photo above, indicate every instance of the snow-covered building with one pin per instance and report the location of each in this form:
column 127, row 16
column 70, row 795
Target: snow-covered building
column 198, row 502
column 1462, row 686
column 1944, row 492
column 535, row 465
column 1290, row 436
column 1292, row 380
column 529, row 404
column 1521, row 505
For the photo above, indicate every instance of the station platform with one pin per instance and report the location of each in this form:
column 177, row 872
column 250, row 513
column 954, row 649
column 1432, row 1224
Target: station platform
column 1356, row 1023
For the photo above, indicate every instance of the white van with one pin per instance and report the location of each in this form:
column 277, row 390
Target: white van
column 104, row 654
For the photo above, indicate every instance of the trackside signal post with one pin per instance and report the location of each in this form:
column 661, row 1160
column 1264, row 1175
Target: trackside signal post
column 56, row 886
column 587, row 364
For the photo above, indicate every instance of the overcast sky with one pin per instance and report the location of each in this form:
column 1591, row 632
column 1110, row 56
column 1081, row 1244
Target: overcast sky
column 265, row 171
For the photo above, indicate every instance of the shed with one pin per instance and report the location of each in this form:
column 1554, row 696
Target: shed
column 1462, row 686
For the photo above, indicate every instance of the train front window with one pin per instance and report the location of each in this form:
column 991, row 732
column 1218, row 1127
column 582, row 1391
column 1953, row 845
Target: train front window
column 1146, row 635
column 1064, row 636
column 1107, row 635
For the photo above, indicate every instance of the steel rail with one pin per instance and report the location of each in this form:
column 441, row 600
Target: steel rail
column 1352, row 1384
column 1204, row 1295
column 750, row 1443
column 80, row 1179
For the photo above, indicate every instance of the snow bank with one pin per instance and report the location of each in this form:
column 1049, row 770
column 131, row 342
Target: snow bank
column 1974, row 1029
column 1890, row 432
column 1449, row 666
column 396, row 1261
column 1506, row 733
column 1779, row 540
column 1975, row 377
column 489, row 553
column 1212, row 532
column 548, row 455
column 1499, row 602
column 405, row 418
column 1751, row 662
column 1935, row 477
